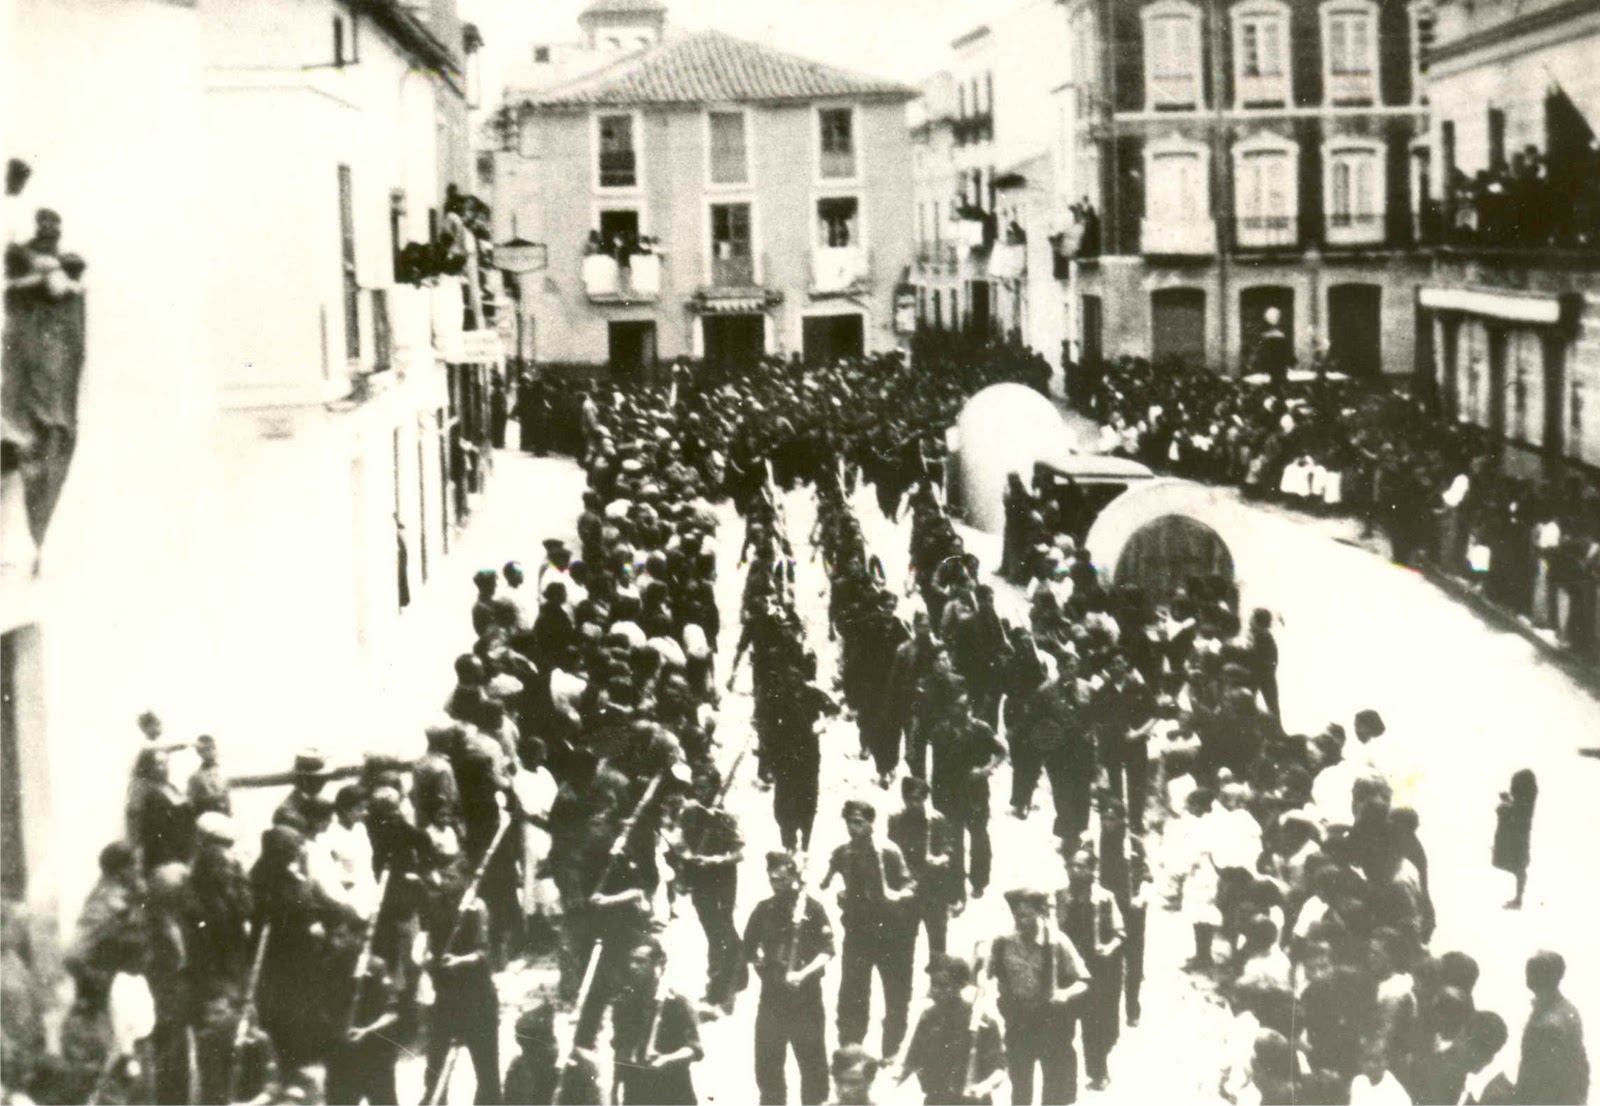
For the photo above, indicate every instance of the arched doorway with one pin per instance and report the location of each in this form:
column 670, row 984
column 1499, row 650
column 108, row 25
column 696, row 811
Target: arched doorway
column 1169, row 551
column 1254, row 303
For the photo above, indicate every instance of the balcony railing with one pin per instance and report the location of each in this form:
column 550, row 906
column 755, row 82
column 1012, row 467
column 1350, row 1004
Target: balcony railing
column 1175, row 93
column 607, row 281
column 971, row 129
column 732, row 270
column 1008, row 261
column 1352, row 88
column 1353, row 230
column 1501, row 213
column 1179, row 237
column 618, row 169
column 1266, row 232
column 836, row 270
column 838, row 164
column 1263, row 90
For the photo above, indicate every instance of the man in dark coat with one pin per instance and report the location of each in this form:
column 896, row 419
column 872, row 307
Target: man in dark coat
column 1555, row 1067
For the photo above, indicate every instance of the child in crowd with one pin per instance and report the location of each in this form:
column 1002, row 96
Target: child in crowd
column 1513, row 830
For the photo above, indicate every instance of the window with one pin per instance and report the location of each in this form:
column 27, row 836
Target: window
column 1350, row 47
column 346, row 49
column 347, row 257
column 541, row 55
column 618, row 163
column 1267, row 205
column 838, row 222
column 1172, row 56
column 1355, row 192
column 1261, row 54
column 729, row 160
column 988, row 93
column 838, row 143
column 731, row 255
column 1178, row 205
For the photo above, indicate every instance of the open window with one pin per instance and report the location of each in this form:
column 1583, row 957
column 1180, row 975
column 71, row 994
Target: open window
column 1261, row 54
column 838, row 143
column 618, row 166
column 1172, row 55
column 838, row 222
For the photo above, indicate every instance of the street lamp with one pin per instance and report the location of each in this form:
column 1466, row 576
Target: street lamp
column 517, row 258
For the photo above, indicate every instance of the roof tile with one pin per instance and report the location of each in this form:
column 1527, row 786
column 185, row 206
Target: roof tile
column 713, row 67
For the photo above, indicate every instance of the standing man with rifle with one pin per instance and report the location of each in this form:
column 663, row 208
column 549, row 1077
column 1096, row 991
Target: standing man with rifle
column 955, row 1052
column 706, row 855
column 656, row 1036
column 789, row 942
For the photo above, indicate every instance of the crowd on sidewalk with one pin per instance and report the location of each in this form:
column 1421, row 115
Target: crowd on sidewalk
column 575, row 783
column 1432, row 485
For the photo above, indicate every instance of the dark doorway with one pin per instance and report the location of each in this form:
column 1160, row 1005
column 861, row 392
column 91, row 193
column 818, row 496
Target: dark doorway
column 1094, row 323
column 1178, row 325
column 1450, row 337
column 1355, row 329
column 632, row 349
column 1254, row 303
column 978, row 300
column 734, row 341
column 828, row 338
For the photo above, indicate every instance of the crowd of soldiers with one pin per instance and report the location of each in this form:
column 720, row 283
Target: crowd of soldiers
column 580, row 747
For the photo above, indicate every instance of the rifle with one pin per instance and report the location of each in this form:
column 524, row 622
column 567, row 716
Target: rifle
column 974, row 1024
column 477, row 879
column 246, row 1014
column 365, row 959
column 618, row 846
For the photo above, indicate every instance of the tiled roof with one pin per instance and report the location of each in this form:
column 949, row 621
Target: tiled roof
column 712, row 67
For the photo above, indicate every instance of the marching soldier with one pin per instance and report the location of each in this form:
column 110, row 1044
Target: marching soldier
column 656, row 1035
column 466, row 1009
column 707, row 853
column 789, row 942
column 923, row 838
column 955, row 1052
column 965, row 754
column 1087, row 913
column 1040, row 979
column 361, row 1065
column 874, row 906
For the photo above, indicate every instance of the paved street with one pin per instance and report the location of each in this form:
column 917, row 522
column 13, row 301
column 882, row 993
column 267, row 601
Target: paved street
column 1357, row 633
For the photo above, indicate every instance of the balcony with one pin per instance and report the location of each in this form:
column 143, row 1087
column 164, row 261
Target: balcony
column 731, row 270
column 1263, row 90
column 971, row 129
column 1009, row 261
column 1266, row 232
column 1555, row 216
column 1353, row 230
column 1175, row 93
column 840, row 270
column 1352, row 88
column 1179, row 237
column 607, row 281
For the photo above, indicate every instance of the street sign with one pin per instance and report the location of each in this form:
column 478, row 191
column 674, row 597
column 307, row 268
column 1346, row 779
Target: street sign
column 473, row 347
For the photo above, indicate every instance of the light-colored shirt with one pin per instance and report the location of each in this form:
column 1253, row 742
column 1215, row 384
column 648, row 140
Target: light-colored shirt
column 1386, row 1092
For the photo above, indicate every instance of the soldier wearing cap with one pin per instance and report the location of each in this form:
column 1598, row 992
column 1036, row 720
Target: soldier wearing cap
column 1040, row 979
column 301, row 808
column 874, row 906
column 706, row 854
column 789, row 942
column 953, row 1063
column 219, row 911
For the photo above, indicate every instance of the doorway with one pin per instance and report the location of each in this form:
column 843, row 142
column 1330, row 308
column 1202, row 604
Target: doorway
column 978, row 308
column 826, row 339
column 734, row 341
column 1355, row 329
column 1177, row 325
column 631, row 349
column 1254, row 303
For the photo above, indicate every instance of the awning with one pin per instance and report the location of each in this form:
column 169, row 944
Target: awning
column 1513, row 307
column 744, row 305
column 737, row 301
